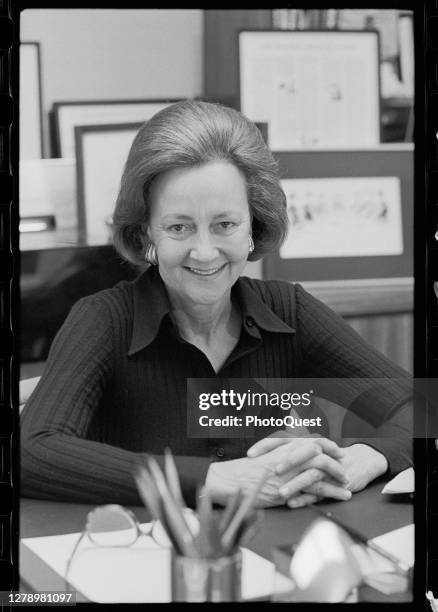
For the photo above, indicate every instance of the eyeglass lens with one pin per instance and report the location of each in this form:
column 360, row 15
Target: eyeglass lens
column 111, row 526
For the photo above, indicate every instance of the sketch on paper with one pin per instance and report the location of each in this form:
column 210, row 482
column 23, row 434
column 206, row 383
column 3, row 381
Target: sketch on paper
column 343, row 217
column 315, row 90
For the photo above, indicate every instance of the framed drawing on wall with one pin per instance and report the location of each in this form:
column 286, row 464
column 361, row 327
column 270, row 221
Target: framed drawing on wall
column 102, row 151
column 67, row 115
column 314, row 89
column 31, row 128
column 350, row 215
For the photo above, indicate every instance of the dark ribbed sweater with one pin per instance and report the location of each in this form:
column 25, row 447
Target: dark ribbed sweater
column 114, row 385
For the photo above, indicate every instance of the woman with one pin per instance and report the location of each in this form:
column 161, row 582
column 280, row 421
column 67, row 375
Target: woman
column 199, row 196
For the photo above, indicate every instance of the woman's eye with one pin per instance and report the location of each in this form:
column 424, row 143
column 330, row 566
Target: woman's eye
column 177, row 228
column 226, row 224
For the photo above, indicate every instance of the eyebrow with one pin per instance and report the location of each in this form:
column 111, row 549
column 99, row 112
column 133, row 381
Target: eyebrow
column 173, row 216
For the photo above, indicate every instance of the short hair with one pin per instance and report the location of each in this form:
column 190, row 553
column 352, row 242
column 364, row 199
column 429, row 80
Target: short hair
column 191, row 133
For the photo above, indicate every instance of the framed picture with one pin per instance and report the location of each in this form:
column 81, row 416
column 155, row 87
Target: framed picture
column 314, row 89
column 102, row 151
column 350, row 215
column 67, row 115
column 31, row 125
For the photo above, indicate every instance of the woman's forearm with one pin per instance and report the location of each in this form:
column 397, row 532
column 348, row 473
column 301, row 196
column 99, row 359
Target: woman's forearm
column 62, row 467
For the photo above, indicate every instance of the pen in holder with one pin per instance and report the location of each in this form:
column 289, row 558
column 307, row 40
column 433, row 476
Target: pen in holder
column 207, row 561
column 207, row 580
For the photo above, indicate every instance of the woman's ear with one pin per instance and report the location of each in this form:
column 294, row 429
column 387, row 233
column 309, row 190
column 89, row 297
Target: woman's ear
column 145, row 235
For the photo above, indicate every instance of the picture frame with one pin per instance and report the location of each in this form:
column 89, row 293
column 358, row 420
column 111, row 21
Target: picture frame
column 67, row 115
column 386, row 161
column 102, row 151
column 30, row 101
column 281, row 70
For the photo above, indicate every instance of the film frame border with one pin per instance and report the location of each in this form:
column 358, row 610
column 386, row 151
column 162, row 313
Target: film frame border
column 426, row 258
column 9, row 275
column 431, row 277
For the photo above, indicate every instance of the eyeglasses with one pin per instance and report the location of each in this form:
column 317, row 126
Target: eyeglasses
column 114, row 526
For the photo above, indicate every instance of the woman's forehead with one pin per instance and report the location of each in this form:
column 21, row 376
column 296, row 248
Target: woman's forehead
column 214, row 185
column 213, row 172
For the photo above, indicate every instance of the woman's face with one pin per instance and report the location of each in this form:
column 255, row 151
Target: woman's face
column 200, row 223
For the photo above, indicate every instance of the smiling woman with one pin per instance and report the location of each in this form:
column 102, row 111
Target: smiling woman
column 200, row 195
column 200, row 224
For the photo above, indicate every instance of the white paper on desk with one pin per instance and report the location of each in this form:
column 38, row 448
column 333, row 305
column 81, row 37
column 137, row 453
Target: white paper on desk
column 138, row 574
column 402, row 483
column 135, row 574
column 400, row 543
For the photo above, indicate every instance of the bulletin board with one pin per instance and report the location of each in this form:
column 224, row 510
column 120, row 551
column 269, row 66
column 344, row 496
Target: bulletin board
column 362, row 228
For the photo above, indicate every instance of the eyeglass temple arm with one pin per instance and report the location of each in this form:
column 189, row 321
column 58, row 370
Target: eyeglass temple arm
column 70, row 559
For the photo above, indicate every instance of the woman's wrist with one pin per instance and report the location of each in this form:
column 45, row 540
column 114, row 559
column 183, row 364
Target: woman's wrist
column 373, row 462
column 217, row 484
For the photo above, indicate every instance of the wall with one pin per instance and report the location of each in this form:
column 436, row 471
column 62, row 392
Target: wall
column 137, row 54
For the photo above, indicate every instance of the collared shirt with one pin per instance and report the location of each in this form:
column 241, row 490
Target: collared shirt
column 152, row 305
column 115, row 381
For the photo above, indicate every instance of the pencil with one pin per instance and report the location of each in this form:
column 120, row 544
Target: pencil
column 173, row 478
column 173, row 512
column 230, row 533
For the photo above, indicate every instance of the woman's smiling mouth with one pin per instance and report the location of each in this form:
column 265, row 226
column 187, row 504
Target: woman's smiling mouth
column 205, row 272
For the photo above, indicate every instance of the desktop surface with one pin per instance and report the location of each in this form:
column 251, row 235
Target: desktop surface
column 368, row 511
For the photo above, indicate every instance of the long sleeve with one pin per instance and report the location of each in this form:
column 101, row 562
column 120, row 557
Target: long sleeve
column 331, row 349
column 57, row 459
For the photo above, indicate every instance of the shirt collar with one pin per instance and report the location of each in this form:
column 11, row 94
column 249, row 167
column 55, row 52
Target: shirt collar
column 151, row 305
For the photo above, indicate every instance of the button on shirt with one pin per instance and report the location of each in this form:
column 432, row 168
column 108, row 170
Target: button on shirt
column 114, row 386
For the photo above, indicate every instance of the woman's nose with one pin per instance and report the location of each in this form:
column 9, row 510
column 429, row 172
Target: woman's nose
column 204, row 247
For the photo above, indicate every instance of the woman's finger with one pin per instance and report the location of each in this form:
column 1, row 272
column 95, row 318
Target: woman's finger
column 330, row 448
column 305, row 499
column 265, row 445
column 302, row 482
column 330, row 466
column 326, row 489
column 297, row 456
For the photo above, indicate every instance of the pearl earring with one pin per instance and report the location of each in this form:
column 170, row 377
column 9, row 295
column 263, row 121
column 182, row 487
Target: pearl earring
column 251, row 244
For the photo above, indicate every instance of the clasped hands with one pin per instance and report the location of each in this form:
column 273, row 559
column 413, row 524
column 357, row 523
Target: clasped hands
column 300, row 471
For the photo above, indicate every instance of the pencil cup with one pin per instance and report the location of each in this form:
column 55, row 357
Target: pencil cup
column 212, row 580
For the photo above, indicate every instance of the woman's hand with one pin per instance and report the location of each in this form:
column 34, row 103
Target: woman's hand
column 321, row 476
column 302, row 464
column 362, row 464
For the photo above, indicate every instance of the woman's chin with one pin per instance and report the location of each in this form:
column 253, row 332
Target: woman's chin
column 207, row 297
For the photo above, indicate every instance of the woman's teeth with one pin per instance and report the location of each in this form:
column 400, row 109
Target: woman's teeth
column 205, row 272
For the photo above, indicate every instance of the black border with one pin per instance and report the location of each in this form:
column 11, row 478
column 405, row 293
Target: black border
column 57, row 106
column 40, row 91
column 426, row 25
column 80, row 130
column 308, row 31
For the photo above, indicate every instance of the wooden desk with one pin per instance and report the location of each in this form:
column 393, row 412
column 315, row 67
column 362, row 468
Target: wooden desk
column 368, row 511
